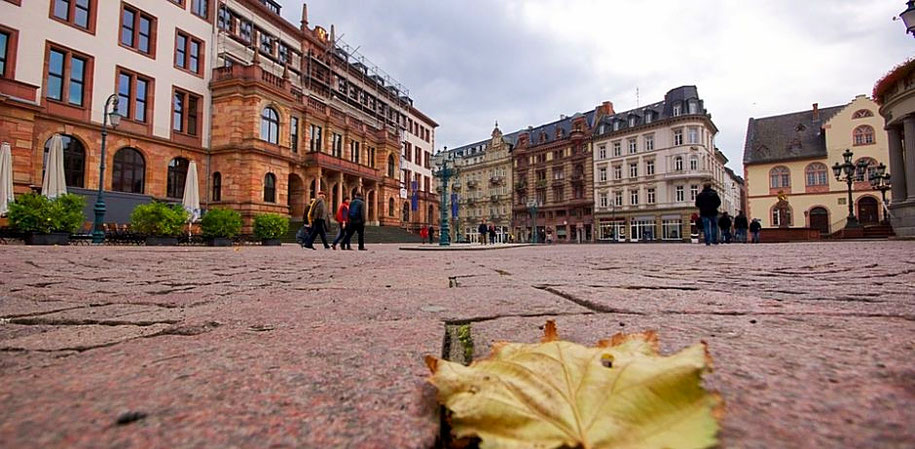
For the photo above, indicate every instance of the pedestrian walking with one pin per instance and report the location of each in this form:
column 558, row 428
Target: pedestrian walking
column 724, row 223
column 303, row 232
column 342, row 216
column 356, row 223
column 318, row 216
column 492, row 234
column 708, row 201
column 423, row 234
column 483, row 230
column 740, row 227
column 431, row 234
column 755, row 227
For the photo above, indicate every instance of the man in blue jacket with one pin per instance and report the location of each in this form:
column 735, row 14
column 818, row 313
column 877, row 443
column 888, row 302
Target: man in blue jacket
column 356, row 223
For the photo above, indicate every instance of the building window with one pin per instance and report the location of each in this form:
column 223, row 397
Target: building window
column 634, row 197
column 678, row 110
column 671, row 229
column 294, row 134
column 269, row 188
column 678, row 163
column 77, row 13
column 618, row 198
column 616, row 125
column 314, row 138
column 133, row 95
column 693, row 107
column 270, row 125
column 678, row 137
column 602, row 152
column 862, row 113
column 779, row 219
column 649, row 143
column 67, row 77
column 604, row 202
column 816, row 174
column 779, row 177
column 266, row 44
column 692, row 135
column 693, row 192
column 5, row 60
column 864, row 135
column 693, row 163
column 372, row 157
column 337, row 145
column 185, row 113
column 129, row 171
column 177, row 175
column 391, row 167
column 632, row 121
column 217, row 186
column 650, row 196
column 224, row 19
column 390, row 207
column 633, row 146
column 200, row 8
column 649, row 167
column 617, row 172
column 282, row 53
column 188, row 50
column 634, row 170
column 354, row 152
column 617, row 149
column 138, row 30
column 602, row 174
column 245, row 29
column 647, row 117
column 558, row 194
column 679, row 194
column 74, row 160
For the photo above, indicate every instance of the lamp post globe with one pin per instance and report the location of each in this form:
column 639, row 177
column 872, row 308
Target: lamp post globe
column 908, row 17
column 109, row 114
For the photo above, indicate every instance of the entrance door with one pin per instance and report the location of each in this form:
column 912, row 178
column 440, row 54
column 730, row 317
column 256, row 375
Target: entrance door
column 867, row 210
column 819, row 220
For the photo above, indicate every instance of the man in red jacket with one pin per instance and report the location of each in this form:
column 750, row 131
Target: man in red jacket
column 342, row 218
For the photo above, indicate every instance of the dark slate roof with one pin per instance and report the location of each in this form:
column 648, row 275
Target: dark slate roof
column 659, row 111
column 787, row 137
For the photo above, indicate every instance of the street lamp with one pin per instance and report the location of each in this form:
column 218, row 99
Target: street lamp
column 444, row 174
column 98, row 234
column 532, row 208
column 880, row 180
column 908, row 17
column 853, row 172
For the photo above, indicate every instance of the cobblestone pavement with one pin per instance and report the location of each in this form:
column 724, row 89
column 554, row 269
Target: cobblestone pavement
column 814, row 344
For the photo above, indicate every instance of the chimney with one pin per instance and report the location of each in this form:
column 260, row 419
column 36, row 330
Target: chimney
column 607, row 107
column 816, row 112
column 304, row 17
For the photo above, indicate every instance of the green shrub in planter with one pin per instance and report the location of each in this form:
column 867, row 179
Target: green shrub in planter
column 159, row 219
column 221, row 223
column 36, row 214
column 270, row 226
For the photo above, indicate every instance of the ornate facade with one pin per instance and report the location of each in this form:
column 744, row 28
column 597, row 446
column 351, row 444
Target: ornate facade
column 895, row 94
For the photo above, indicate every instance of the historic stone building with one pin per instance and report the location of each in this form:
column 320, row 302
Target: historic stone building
column 552, row 170
column 269, row 111
column 483, row 186
column 649, row 165
column 791, row 156
column 895, row 93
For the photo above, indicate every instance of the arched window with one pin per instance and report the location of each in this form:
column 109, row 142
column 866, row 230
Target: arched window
column 779, row 177
column 871, row 165
column 129, row 171
column 864, row 135
column 177, row 175
column 391, row 167
column 270, row 125
column 74, row 160
column 390, row 207
column 217, row 186
column 678, row 163
column 270, row 188
column 693, row 163
column 862, row 113
column 816, row 174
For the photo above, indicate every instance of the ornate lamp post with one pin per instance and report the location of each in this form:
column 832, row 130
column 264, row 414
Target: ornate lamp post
column 444, row 174
column 532, row 208
column 98, row 234
column 908, row 17
column 853, row 172
column 880, row 180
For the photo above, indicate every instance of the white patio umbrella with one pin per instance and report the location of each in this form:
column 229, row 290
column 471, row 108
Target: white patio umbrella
column 191, row 199
column 54, row 184
column 6, row 178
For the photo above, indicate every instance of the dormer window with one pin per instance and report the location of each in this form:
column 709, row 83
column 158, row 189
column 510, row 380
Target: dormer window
column 632, row 120
column 678, row 110
column 693, row 107
column 616, row 125
column 647, row 117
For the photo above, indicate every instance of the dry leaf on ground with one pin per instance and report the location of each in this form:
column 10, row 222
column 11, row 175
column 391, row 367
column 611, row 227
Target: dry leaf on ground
column 619, row 394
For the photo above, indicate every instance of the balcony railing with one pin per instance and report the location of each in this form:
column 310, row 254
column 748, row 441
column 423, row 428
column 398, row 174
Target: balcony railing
column 541, row 183
column 472, row 184
column 521, row 186
column 456, row 187
column 494, row 198
column 496, row 180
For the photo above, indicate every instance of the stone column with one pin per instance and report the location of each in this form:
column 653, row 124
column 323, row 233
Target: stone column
column 897, row 166
column 318, row 186
column 909, row 134
column 340, row 190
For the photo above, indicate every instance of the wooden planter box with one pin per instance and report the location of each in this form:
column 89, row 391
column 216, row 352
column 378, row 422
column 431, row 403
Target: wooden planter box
column 54, row 238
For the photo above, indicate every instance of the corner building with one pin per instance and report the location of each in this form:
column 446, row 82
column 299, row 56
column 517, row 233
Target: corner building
column 649, row 165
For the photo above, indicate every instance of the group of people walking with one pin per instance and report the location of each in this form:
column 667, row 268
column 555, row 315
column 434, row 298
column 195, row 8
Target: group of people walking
column 350, row 216
column 712, row 224
column 485, row 231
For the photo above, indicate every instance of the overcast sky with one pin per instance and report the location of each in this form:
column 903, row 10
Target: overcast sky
column 468, row 63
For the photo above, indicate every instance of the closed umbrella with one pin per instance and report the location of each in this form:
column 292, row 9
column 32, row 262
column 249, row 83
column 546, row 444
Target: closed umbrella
column 6, row 178
column 54, row 185
column 191, row 199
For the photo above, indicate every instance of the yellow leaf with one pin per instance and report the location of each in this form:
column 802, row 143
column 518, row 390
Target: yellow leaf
column 619, row 394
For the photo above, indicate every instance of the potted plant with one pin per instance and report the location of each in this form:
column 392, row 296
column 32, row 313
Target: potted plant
column 269, row 228
column 161, row 223
column 219, row 226
column 47, row 221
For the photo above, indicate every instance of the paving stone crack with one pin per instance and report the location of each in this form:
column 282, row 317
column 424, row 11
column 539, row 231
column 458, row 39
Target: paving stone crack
column 592, row 306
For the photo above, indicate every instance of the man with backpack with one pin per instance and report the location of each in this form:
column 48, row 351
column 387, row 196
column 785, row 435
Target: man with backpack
column 355, row 223
column 318, row 217
column 302, row 234
column 342, row 218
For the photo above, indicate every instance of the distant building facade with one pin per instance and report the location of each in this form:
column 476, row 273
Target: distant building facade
column 649, row 165
column 895, row 94
column 791, row 156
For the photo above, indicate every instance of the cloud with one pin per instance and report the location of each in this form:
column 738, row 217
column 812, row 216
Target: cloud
column 470, row 62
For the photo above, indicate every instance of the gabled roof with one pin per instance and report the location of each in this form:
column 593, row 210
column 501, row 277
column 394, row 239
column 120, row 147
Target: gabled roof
column 797, row 135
